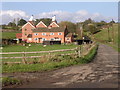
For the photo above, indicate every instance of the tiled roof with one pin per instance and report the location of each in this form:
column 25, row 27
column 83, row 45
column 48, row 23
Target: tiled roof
column 52, row 29
column 32, row 23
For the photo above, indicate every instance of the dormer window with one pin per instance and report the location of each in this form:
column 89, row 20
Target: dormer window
column 25, row 29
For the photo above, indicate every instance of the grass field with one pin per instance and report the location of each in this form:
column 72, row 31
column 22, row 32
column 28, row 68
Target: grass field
column 52, row 63
column 102, row 37
column 32, row 59
column 9, row 35
column 36, row 54
column 35, row 47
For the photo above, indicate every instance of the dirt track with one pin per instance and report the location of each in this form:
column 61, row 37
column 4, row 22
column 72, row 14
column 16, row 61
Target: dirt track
column 101, row 73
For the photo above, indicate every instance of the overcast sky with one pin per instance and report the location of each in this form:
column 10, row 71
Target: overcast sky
column 70, row 11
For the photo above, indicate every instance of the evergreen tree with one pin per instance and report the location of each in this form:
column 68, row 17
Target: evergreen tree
column 21, row 22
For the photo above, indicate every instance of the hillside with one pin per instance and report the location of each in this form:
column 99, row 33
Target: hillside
column 102, row 37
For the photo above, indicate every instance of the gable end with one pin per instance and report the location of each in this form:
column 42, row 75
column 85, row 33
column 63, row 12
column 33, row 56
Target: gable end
column 28, row 23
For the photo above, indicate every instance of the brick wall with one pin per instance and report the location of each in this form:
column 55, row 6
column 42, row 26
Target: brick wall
column 40, row 36
column 26, row 30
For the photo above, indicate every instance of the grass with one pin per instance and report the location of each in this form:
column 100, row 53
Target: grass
column 9, row 35
column 9, row 81
column 52, row 63
column 30, row 59
column 36, row 54
column 102, row 37
column 35, row 47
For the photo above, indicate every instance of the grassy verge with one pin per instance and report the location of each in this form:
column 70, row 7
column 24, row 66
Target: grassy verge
column 9, row 81
column 50, row 63
column 89, row 57
column 104, row 38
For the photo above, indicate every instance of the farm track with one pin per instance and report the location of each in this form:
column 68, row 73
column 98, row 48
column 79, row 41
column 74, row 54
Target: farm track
column 101, row 73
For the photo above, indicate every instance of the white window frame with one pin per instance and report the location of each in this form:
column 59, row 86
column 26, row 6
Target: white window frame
column 43, row 33
column 52, row 38
column 35, row 39
column 68, row 39
column 30, row 39
column 59, row 33
column 35, row 33
column 58, row 39
column 44, row 39
column 51, row 33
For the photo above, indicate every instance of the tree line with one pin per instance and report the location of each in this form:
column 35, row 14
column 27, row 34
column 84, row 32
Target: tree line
column 88, row 25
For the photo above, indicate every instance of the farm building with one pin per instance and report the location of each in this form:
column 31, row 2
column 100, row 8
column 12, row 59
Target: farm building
column 42, row 33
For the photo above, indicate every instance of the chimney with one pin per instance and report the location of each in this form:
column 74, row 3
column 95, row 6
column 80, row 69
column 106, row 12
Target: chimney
column 31, row 18
column 54, row 18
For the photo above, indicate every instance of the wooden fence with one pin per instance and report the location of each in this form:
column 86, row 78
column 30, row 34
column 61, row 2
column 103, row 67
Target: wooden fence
column 81, row 50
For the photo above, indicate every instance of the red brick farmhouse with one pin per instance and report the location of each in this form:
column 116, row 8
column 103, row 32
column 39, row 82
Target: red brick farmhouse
column 40, row 33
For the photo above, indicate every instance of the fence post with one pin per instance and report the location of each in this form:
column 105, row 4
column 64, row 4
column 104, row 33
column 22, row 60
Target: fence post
column 24, row 58
column 76, row 50
column 82, row 50
column 49, row 55
column 79, row 51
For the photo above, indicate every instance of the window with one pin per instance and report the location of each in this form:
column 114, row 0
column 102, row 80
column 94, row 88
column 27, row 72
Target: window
column 43, row 33
column 25, row 29
column 59, row 33
column 35, row 39
column 43, row 39
column 51, row 33
column 29, row 39
column 52, row 39
column 68, row 39
column 25, row 34
column 35, row 33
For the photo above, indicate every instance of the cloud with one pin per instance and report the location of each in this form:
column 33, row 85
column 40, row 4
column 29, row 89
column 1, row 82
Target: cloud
column 9, row 15
column 77, row 16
